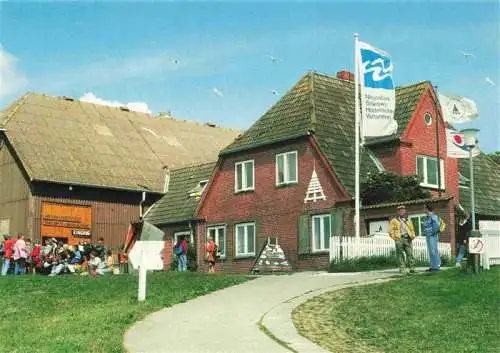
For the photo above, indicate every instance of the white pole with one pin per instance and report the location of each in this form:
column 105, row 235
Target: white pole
column 141, row 296
column 356, row 142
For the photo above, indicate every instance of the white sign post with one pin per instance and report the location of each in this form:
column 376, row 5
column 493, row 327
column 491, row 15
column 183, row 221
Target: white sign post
column 146, row 255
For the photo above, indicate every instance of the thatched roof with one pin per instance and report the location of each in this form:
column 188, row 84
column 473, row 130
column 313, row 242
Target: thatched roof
column 62, row 140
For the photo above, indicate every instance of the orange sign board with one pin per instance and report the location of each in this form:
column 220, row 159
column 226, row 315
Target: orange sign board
column 72, row 222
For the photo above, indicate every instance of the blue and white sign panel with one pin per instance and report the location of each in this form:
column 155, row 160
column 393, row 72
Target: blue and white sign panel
column 378, row 97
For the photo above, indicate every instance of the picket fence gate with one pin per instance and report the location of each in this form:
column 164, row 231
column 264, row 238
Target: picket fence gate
column 344, row 247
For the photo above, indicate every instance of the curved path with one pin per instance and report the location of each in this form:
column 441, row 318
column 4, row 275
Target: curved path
column 237, row 318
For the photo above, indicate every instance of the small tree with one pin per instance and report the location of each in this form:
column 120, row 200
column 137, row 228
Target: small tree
column 388, row 187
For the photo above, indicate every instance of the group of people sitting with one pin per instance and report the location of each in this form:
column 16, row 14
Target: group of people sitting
column 54, row 257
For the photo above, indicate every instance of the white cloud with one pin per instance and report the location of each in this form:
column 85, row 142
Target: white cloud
column 11, row 78
column 141, row 107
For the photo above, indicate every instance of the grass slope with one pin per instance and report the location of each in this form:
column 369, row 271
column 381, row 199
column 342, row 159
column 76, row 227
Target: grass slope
column 83, row 314
column 445, row 312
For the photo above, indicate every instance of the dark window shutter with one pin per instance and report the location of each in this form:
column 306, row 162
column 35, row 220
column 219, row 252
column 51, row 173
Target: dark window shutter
column 337, row 223
column 304, row 235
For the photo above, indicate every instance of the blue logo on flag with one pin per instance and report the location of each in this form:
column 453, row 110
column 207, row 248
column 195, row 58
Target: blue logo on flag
column 377, row 69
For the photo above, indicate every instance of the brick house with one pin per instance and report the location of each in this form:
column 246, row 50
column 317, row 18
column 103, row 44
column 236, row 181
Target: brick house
column 291, row 174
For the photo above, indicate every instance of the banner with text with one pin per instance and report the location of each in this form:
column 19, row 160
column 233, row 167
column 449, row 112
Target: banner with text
column 456, row 146
column 378, row 97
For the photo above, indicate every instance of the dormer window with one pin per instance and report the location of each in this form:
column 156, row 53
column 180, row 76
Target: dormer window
column 198, row 189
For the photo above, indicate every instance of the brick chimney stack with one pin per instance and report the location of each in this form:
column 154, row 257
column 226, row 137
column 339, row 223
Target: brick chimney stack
column 345, row 75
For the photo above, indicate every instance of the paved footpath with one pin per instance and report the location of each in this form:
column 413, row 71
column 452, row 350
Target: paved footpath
column 227, row 321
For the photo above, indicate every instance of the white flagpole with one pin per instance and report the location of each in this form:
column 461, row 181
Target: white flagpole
column 356, row 143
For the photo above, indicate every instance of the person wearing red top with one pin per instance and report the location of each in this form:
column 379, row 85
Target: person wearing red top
column 8, row 255
column 182, row 257
column 36, row 261
column 210, row 256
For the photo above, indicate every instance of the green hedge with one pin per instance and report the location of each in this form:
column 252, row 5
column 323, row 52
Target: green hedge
column 370, row 263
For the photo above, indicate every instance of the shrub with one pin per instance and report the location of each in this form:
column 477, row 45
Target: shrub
column 367, row 263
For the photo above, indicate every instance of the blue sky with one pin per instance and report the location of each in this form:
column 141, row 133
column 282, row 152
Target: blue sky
column 127, row 51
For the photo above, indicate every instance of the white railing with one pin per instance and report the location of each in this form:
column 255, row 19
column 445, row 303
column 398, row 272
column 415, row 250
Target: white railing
column 492, row 240
column 378, row 245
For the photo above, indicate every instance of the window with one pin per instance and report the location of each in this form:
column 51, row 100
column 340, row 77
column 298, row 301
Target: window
column 417, row 223
column 427, row 171
column 428, row 119
column 198, row 189
column 244, row 176
column 245, row 239
column 286, row 168
column 218, row 234
column 321, row 232
column 187, row 234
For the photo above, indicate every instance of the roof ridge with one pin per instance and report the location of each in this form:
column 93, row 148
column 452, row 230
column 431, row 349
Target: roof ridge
column 193, row 166
column 312, row 114
column 14, row 107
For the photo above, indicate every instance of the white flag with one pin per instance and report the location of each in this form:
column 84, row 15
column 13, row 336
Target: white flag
column 457, row 109
column 456, row 147
column 378, row 97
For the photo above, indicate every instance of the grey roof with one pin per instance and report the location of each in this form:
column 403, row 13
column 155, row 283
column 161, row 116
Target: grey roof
column 183, row 195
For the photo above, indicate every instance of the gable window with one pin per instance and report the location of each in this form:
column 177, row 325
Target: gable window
column 244, row 176
column 427, row 171
column 286, row 168
column 417, row 223
column 218, row 234
column 321, row 232
column 245, row 239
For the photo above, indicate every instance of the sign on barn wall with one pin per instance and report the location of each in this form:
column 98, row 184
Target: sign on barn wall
column 4, row 226
column 69, row 222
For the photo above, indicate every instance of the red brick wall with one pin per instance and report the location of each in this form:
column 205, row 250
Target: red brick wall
column 423, row 140
column 389, row 156
column 275, row 210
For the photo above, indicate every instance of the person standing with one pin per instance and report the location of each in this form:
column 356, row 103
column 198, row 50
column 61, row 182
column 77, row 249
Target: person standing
column 464, row 229
column 181, row 252
column 20, row 255
column 402, row 232
column 210, row 254
column 7, row 254
column 431, row 232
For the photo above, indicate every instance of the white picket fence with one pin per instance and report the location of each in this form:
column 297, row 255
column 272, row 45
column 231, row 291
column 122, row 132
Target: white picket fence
column 379, row 245
column 490, row 230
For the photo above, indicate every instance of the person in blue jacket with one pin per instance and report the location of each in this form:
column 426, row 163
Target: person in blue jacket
column 431, row 232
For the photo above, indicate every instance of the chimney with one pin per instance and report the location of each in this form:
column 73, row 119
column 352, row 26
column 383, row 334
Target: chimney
column 166, row 183
column 345, row 75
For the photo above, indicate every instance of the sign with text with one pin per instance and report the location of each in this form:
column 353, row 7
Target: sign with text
column 70, row 222
column 477, row 245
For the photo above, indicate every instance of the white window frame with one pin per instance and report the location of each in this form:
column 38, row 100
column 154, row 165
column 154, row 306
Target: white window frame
column 321, row 247
column 420, row 230
column 285, row 166
column 424, row 182
column 186, row 233
column 245, row 226
column 244, row 182
column 217, row 230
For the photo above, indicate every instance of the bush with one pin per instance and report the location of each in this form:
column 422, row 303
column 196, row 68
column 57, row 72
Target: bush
column 191, row 260
column 368, row 263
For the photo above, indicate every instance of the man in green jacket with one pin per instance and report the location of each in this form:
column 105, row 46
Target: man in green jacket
column 402, row 232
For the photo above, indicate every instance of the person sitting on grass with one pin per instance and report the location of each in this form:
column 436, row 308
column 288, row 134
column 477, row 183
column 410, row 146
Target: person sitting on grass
column 107, row 266
column 96, row 265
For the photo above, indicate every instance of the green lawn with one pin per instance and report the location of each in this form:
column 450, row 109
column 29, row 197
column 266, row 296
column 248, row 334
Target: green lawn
column 445, row 312
column 84, row 314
